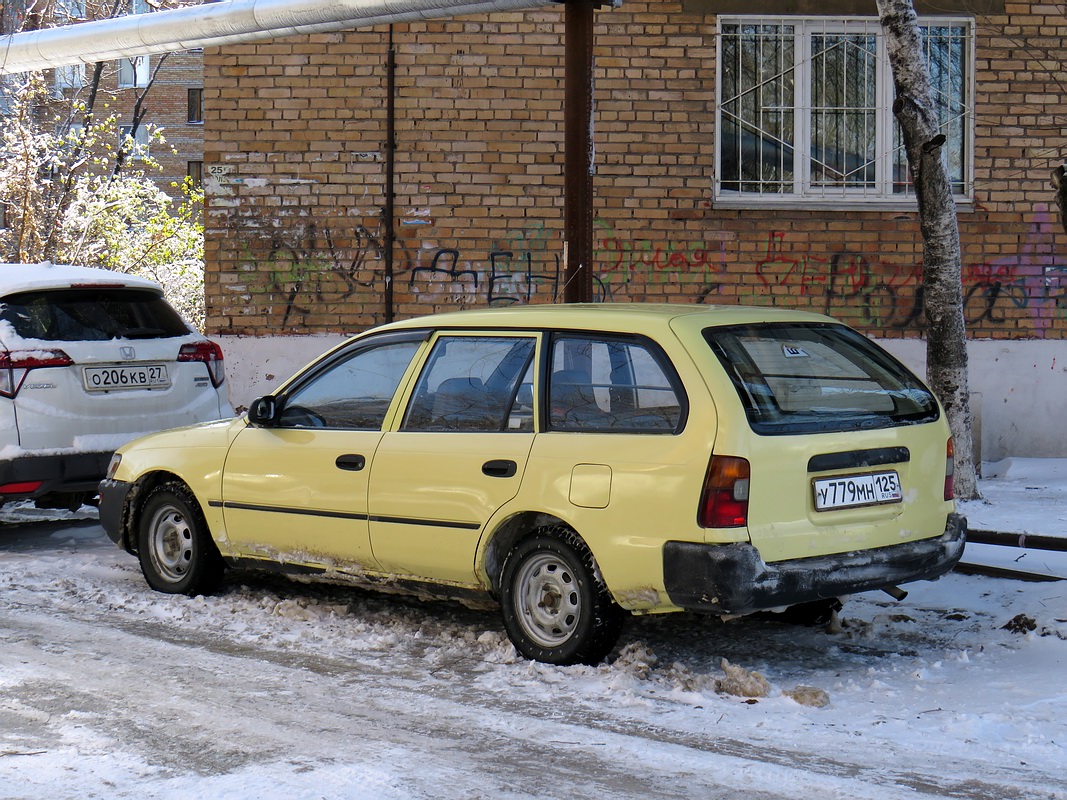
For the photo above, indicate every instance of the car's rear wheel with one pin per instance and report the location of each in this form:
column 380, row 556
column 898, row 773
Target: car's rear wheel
column 555, row 607
column 174, row 546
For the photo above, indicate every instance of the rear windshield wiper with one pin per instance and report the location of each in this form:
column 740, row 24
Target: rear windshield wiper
column 141, row 333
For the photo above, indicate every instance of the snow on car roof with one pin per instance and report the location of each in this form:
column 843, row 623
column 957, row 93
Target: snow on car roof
column 27, row 277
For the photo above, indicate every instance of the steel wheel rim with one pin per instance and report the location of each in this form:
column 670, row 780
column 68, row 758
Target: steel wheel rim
column 549, row 602
column 170, row 543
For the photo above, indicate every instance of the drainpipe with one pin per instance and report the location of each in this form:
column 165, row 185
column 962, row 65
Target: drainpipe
column 578, row 152
column 389, row 212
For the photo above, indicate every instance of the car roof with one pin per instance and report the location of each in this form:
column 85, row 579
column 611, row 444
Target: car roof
column 607, row 316
column 29, row 277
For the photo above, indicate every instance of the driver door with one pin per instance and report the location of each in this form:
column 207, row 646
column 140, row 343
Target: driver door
column 296, row 492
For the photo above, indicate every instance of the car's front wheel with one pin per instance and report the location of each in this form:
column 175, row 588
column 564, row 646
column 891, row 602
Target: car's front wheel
column 174, row 546
column 555, row 607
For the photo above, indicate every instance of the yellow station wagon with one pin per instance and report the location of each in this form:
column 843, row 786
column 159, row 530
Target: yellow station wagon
column 571, row 462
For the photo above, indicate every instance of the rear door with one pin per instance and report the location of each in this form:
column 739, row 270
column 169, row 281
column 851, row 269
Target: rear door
column 91, row 368
column 458, row 456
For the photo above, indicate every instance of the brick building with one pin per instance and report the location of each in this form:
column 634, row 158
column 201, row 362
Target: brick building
column 174, row 102
column 296, row 130
column 699, row 112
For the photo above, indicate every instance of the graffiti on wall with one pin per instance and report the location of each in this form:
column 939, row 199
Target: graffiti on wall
column 1032, row 282
column 528, row 264
column 886, row 295
column 309, row 271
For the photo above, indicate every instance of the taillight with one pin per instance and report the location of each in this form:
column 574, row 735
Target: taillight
column 210, row 354
column 25, row 487
column 724, row 503
column 950, row 471
column 14, row 364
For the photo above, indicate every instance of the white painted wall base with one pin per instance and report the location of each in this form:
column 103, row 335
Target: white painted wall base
column 1019, row 388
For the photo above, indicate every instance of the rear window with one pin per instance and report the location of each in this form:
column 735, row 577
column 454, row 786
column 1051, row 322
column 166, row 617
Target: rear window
column 802, row 378
column 78, row 315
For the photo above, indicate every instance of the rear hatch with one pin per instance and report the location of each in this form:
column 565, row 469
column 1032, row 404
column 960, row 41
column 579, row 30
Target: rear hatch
column 848, row 449
column 92, row 367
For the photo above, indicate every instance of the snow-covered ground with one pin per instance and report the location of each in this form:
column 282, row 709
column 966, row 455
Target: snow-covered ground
column 275, row 689
column 1023, row 496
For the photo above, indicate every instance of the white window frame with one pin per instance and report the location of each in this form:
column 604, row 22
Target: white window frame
column 141, row 141
column 71, row 76
column 134, row 73
column 803, row 194
column 68, row 10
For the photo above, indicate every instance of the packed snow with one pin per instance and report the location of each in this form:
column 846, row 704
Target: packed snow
column 279, row 689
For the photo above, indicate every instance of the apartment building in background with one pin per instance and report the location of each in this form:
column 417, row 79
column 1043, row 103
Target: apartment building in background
column 170, row 87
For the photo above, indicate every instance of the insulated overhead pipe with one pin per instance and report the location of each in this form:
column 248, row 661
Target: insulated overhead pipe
column 214, row 24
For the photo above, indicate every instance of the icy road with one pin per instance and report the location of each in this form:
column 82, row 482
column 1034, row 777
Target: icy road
column 275, row 689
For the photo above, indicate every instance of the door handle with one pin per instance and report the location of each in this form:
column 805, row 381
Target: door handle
column 352, row 462
column 500, row 468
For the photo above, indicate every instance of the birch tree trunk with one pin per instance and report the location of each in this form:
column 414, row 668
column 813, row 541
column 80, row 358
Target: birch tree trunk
column 946, row 338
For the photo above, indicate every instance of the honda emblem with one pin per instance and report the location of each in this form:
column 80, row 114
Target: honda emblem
column 128, row 353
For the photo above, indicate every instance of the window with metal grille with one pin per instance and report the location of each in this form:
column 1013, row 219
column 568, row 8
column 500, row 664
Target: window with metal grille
column 804, row 113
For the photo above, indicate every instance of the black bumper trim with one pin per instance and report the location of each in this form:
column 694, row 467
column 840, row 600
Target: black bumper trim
column 733, row 579
column 62, row 472
column 113, row 496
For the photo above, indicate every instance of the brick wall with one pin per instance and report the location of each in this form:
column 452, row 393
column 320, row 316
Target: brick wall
column 296, row 129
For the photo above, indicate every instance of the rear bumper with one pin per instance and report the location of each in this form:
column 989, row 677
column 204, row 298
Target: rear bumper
column 733, row 579
column 63, row 473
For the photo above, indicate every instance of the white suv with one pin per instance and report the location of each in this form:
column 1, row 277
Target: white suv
column 90, row 359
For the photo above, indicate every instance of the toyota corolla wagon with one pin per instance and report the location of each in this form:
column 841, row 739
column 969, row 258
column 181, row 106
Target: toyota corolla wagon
column 573, row 463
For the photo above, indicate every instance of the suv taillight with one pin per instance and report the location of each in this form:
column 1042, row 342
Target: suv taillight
column 724, row 502
column 950, row 471
column 14, row 364
column 210, row 354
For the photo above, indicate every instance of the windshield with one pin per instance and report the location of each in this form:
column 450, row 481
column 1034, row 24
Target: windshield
column 97, row 314
column 814, row 377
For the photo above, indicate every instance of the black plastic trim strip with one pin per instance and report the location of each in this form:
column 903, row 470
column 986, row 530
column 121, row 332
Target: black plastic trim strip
column 304, row 512
column 307, row 512
column 432, row 523
column 854, row 459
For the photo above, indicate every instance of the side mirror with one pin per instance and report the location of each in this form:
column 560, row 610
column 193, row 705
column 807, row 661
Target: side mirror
column 264, row 411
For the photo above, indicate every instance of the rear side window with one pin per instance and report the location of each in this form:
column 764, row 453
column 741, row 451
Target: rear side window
column 612, row 384
column 94, row 315
column 802, row 378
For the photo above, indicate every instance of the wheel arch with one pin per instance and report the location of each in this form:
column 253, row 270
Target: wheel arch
column 509, row 533
column 135, row 500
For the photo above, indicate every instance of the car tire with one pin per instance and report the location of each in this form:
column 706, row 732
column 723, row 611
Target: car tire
column 174, row 547
column 556, row 608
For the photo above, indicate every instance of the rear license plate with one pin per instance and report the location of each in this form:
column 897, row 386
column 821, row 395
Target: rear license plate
column 846, row 491
column 110, row 379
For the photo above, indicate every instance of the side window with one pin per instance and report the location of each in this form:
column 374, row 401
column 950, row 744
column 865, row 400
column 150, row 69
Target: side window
column 609, row 384
column 352, row 394
column 472, row 383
